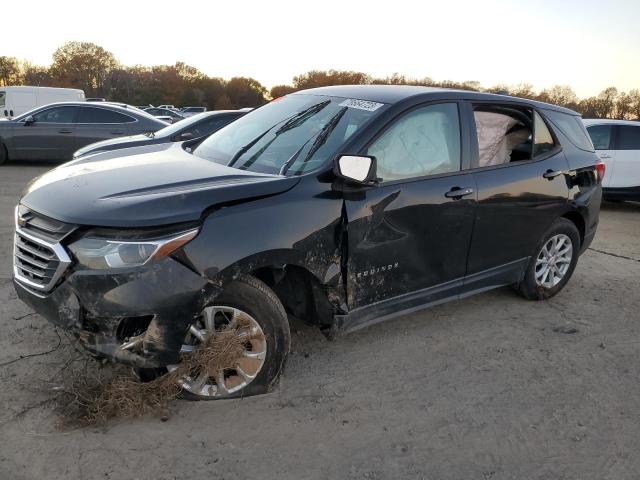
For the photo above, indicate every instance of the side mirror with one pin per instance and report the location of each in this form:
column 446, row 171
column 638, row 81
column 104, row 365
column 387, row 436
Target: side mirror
column 186, row 136
column 356, row 169
column 29, row 121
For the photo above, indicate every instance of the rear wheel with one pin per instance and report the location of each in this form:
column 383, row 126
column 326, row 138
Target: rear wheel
column 553, row 263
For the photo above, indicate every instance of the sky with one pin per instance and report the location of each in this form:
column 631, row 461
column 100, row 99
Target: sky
column 586, row 44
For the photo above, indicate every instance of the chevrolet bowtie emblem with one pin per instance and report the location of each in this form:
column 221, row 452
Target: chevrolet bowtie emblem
column 22, row 221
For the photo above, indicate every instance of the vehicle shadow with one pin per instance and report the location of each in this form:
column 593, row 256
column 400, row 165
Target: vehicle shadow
column 32, row 163
column 621, row 206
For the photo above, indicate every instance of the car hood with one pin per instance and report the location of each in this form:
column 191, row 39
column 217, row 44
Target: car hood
column 113, row 143
column 160, row 187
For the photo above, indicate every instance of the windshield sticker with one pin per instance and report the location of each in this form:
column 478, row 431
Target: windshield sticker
column 361, row 104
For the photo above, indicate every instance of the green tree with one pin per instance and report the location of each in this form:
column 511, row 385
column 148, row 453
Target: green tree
column 245, row 92
column 10, row 71
column 82, row 65
column 278, row 91
column 36, row 75
column 320, row 78
column 607, row 102
column 634, row 96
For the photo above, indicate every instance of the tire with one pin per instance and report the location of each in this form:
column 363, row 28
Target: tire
column 252, row 296
column 3, row 154
column 529, row 287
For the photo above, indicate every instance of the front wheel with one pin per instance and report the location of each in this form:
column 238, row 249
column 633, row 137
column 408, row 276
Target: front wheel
column 246, row 339
column 553, row 263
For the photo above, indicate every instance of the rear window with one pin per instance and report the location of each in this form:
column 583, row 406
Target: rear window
column 572, row 127
column 628, row 137
column 102, row 115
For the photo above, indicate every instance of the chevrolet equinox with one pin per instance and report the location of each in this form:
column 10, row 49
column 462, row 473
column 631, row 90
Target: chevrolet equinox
column 342, row 206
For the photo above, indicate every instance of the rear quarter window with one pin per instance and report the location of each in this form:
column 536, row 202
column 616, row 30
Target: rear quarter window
column 572, row 127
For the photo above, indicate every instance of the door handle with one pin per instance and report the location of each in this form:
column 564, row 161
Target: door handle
column 117, row 132
column 65, row 130
column 457, row 192
column 550, row 174
column 604, row 155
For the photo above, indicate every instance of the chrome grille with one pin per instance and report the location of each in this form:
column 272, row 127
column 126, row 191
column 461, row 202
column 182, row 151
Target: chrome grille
column 39, row 260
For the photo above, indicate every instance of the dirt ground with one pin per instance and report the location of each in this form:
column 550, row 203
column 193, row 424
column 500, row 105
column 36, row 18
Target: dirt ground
column 491, row 387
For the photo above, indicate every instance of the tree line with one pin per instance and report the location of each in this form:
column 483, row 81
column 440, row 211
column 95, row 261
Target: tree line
column 95, row 70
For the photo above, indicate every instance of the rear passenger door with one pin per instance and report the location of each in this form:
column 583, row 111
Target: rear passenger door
column 626, row 173
column 96, row 123
column 603, row 137
column 520, row 176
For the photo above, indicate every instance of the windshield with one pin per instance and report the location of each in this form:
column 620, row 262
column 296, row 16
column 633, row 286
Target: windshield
column 175, row 128
column 292, row 135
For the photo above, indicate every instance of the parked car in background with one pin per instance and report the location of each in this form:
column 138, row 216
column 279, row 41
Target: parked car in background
column 343, row 206
column 189, row 111
column 617, row 144
column 192, row 128
column 55, row 131
column 169, row 107
column 14, row 101
column 165, row 113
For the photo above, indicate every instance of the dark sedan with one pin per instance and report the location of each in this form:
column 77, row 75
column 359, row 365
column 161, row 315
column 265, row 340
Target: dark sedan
column 197, row 126
column 55, row 131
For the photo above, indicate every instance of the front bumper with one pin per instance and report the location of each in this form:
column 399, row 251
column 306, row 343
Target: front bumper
column 104, row 307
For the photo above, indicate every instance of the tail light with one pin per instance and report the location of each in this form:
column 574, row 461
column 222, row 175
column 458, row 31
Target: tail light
column 600, row 168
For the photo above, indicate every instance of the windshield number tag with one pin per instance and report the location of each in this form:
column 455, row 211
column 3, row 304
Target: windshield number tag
column 361, row 104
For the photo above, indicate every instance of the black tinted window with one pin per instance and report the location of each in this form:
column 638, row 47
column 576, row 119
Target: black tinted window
column 208, row 127
column 600, row 136
column 628, row 137
column 101, row 115
column 572, row 127
column 55, row 115
column 543, row 141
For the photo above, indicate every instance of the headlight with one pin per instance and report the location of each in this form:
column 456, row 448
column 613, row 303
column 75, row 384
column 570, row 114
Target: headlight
column 98, row 253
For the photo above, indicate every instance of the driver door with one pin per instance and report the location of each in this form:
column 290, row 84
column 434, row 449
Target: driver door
column 408, row 238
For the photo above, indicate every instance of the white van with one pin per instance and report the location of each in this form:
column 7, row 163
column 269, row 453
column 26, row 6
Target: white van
column 617, row 144
column 15, row 101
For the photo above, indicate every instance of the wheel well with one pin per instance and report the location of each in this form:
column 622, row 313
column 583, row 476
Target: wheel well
column 301, row 293
column 578, row 221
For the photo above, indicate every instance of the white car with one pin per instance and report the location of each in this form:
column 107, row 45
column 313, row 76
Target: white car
column 14, row 101
column 617, row 143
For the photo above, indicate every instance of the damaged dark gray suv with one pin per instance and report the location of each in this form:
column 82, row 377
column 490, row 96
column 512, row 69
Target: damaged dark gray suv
column 342, row 206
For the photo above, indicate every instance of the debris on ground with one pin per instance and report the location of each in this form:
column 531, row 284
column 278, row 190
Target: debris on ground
column 93, row 397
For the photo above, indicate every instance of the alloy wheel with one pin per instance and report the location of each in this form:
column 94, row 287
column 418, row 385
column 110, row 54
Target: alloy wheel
column 553, row 261
column 220, row 383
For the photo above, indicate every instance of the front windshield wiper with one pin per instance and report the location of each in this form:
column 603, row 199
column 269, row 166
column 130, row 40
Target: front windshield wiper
column 294, row 121
column 320, row 140
column 301, row 117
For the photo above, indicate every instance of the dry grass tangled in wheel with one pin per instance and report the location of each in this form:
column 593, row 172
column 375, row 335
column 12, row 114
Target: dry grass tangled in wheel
column 93, row 399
